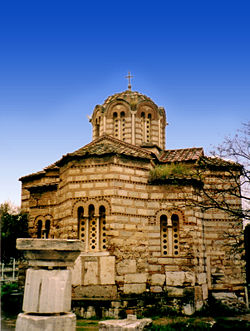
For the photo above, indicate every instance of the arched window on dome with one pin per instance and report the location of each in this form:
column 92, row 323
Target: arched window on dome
column 97, row 127
column 123, row 125
column 115, row 125
column 143, row 126
column 169, row 235
column 148, row 128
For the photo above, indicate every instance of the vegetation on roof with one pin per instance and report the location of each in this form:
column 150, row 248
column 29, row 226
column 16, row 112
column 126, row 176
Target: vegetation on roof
column 174, row 173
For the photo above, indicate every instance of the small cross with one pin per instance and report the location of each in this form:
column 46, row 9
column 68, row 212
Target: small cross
column 129, row 82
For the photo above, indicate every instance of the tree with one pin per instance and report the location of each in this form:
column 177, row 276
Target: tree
column 231, row 164
column 14, row 224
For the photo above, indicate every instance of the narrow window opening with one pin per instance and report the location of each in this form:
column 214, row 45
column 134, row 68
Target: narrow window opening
column 39, row 229
column 47, row 228
column 93, row 230
column 102, row 227
column 97, row 127
column 169, row 235
column 164, row 239
column 81, row 224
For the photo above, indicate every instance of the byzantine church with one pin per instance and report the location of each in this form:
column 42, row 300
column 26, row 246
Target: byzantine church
column 139, row 232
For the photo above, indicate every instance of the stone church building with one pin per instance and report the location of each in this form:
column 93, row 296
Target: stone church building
column 142, row 235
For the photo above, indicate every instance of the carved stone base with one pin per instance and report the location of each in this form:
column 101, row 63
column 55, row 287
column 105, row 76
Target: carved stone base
column 27, row 322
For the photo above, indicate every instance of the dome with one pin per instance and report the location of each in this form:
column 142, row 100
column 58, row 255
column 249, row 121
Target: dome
column 131, row 117
column 131, row 97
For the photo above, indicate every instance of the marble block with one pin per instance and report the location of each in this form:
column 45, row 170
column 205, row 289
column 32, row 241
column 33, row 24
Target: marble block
column 47, row 291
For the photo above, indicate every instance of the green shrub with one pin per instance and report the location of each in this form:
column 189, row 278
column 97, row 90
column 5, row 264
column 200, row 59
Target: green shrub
column 179, row 174
column 11, row 298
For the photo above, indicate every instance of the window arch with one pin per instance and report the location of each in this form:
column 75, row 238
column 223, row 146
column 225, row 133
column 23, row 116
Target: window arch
column 97, row 126
column 102, row 221
column 92, row 227
column 47, row 229
column 123, row 125
column 116, row 125
column 81, row 224
column 148, row 128
column 169, row 227
column 43, row 226
column 39, row 228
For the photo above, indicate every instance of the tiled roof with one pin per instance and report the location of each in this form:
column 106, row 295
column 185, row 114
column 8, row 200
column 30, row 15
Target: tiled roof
column 217, row 162
column 108, row 145
column 178, row 155
column 39, row 173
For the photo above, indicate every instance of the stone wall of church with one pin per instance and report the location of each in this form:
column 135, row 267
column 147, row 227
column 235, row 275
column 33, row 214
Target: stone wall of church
column 222, row 234
column 133, row 230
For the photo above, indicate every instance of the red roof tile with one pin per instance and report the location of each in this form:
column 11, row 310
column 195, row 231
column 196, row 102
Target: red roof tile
column 178, row 155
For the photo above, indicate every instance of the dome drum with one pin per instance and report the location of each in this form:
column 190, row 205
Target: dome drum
column 131, row 117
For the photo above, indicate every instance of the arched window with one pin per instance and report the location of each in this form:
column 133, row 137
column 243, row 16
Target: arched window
column 97, row 127
column 123, row 125
column 47, row 229
column 164, row 235
column 92, row 228
column 39, row 229
column 148, row 128
column 175, row 227
column 115, row 125
column 81, row 224
column 169, row 235
column 102, row 227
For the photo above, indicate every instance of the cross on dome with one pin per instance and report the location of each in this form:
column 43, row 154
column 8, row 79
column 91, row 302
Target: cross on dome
column 129, row 76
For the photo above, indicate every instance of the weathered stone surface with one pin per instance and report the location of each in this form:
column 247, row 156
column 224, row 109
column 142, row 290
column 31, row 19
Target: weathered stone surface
column 107, row 270
column 131, row 323
column 47, row 291
column 135, row 278
column 96, row 291
column 224, row 295
column 90, row 273
column 174, row 291
column 26, row 322
column 157, row 279
column 188, row 309
column 126, row 266
column 189, row 278
column 180, row 278
column 175, row 278
column 50, row 252
column 134, row 288
column 155, row 289
column 204, row 291
column 202, row 278
column 77, row 272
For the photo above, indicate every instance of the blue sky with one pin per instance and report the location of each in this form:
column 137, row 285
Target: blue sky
column 58, row 59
